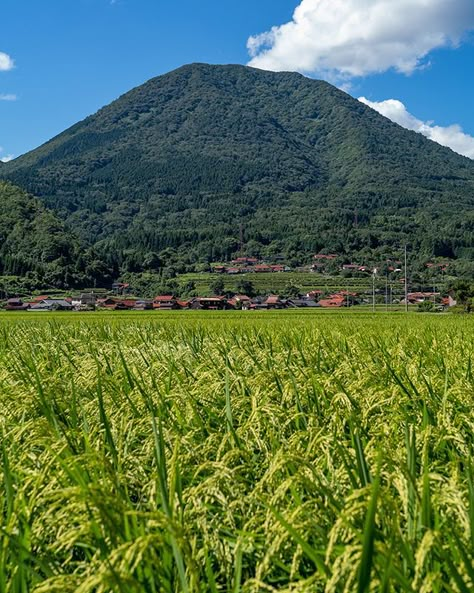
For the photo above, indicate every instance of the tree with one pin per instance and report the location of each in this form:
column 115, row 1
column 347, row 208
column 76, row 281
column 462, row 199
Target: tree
column 292, row 291
column 217, row 286
column 245, row 287
column 189, row 289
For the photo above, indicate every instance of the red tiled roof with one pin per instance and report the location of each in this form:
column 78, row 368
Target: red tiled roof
column 164, row 298
column 331, row 303
column 38, row 299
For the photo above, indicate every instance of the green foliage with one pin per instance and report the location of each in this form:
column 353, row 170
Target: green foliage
column 427, row 307
column 217, row 286
column 34, row 244
column 177, row 171
column 291, row 291
column 246, row 287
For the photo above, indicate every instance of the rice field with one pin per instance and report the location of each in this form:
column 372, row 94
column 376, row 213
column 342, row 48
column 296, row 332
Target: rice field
column 238, row 453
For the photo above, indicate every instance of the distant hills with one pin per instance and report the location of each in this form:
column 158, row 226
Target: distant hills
column 184, row 167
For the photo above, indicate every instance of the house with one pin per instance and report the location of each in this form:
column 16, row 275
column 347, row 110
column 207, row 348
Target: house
column 87, row 301
column 240, row 301
column 167, row 302
column 233, row 270
column 39, row 299
column 107, row 303
column 16, row 305
column 51, row 305
column 210, row 303
column 120, row 287
column 420, row 297
column 143, row 305
column 333, row 302
column 274, row 302
column 126, row 304
column 314, row 294
column 245, row 261
column 219, row 269
column 115, row 304
column 184, row 304
column 263, row 268
column 300, row 303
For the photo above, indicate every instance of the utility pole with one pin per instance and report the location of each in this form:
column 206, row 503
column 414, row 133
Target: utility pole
column 373, row 289
column 406, row 280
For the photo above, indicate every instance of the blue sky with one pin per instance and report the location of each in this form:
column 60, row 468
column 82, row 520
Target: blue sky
column 71, row 57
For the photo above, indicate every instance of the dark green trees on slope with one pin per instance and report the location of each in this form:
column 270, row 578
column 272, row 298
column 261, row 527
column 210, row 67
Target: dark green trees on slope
column 35, row 245
column 193, row 158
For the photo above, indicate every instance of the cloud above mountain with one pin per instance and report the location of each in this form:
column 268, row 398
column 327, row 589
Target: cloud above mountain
column 350, row 38
column 6, row 62
column 5, row 158
column 451, row 136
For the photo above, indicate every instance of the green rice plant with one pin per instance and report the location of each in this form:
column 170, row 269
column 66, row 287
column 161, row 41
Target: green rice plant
column 236, row 452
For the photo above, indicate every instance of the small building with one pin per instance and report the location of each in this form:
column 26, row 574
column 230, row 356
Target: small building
column 240, row 301
column 87, row 301
column 16, row 305
column 143, row 305
column 210, row 303
column 51, row 305
column 107, row 303
column 166, row 302
column 245, row 261
column 39, row 299
column 263, row 268
column 275, row 302
column 335, row 301
column 219, row 269
column 120, row 287
column 126, row 304
column 304, row 302
column 184, row 304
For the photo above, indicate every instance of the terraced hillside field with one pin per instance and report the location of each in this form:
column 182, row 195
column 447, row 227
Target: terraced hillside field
column 228, row 452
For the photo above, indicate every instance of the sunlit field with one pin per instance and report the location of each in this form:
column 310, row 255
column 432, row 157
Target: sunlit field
column 249, row 452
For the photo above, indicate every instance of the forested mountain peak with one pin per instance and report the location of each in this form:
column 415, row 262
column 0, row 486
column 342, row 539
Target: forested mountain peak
column 195, row 158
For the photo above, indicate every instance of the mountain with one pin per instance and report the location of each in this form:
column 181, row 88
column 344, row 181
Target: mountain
column 36, row 247
column 184, row 167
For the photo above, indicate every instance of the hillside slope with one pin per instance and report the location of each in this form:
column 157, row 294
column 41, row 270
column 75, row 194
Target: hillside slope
column 193, row 158
column 36, row 246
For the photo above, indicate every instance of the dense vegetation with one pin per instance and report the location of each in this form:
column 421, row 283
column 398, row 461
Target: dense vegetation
column 230, row 453
column 37, row 250
column 177, row 170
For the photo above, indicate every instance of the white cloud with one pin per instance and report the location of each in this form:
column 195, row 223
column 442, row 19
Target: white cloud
column 451, row 136
column 6, row 158
column 6, row 62
column 8, row 97
column 347, row 38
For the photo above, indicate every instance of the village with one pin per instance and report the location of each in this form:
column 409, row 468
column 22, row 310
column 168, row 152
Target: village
column 120, row 298
column 313, row 299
